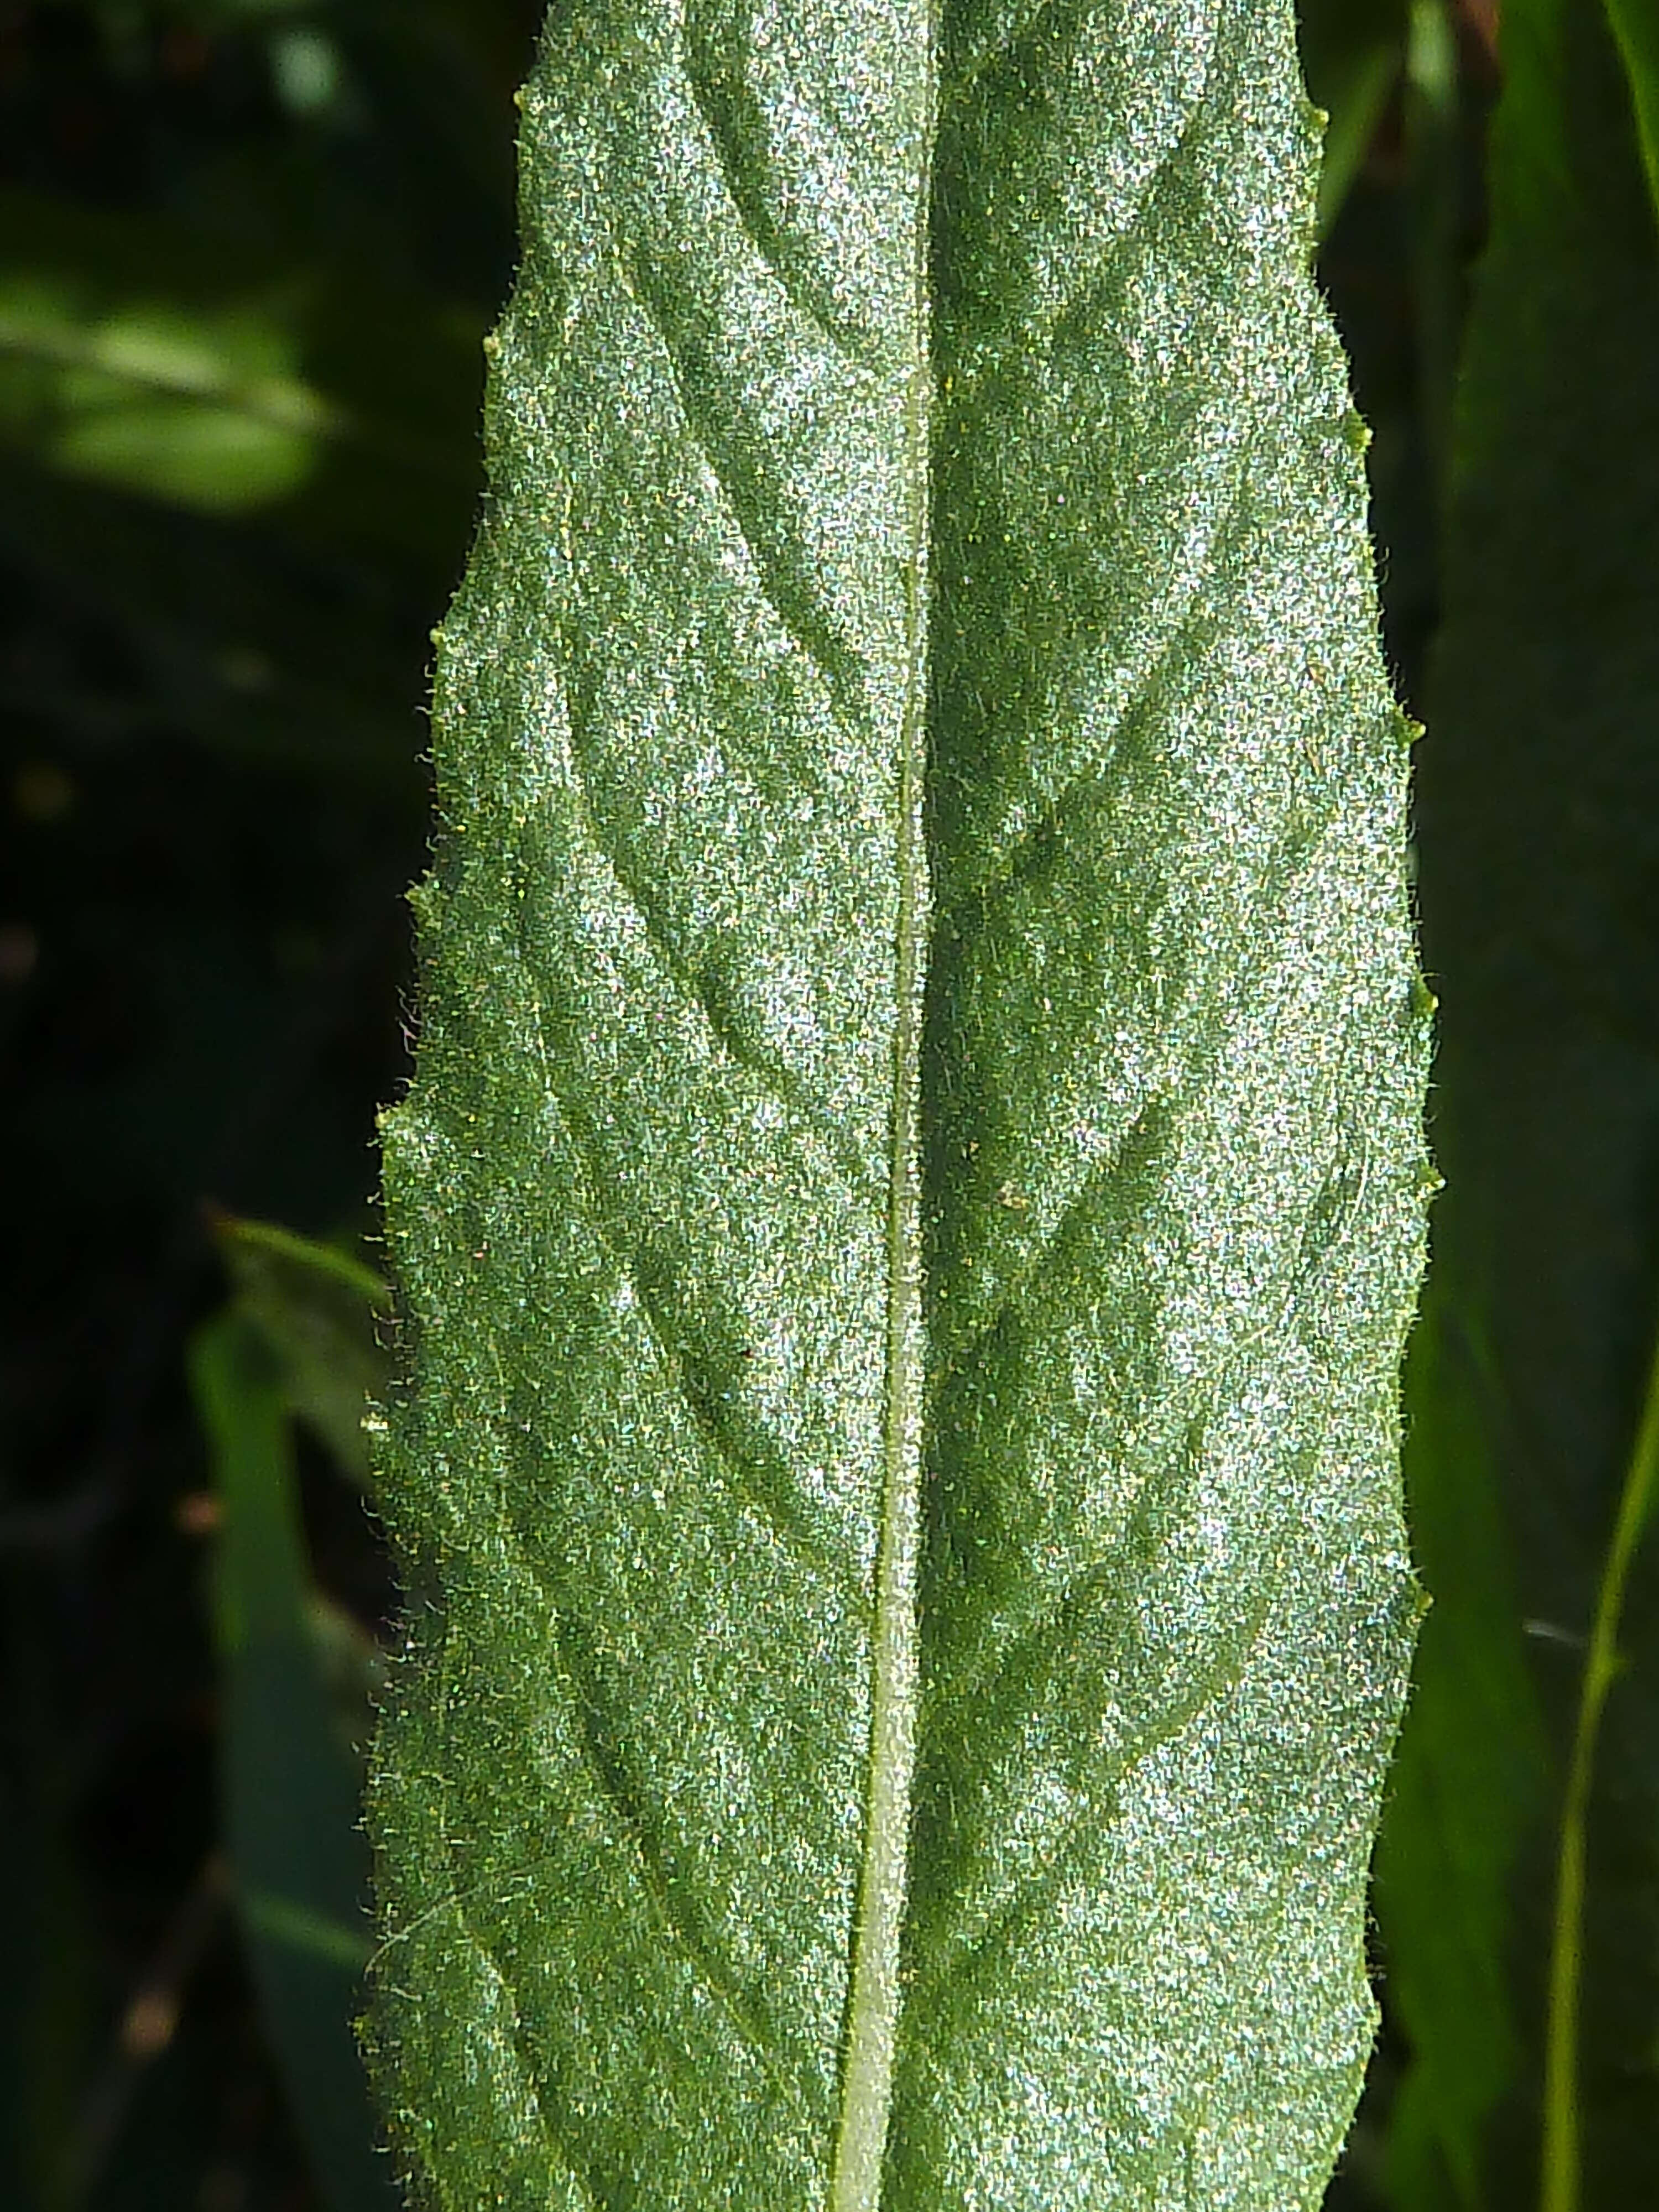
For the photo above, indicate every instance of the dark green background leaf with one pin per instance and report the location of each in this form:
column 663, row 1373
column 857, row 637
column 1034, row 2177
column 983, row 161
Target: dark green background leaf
column 1353, row 53
column 1539, row 809
column 290, row 1783
column 316, row 1306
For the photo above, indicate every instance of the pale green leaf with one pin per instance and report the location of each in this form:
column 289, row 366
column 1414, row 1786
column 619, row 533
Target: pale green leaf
column 205, row 407
column 141, row 353
column 912, row 1189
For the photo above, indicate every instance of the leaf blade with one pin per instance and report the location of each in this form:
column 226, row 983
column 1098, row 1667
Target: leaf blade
column 1139, row 334
column 316, row 1306
column 717, row 1352
column 666, row 996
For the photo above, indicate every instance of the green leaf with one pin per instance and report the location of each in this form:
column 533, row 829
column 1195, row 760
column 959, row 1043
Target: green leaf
column 202, row 403
column 1353, row 53
column 289, row 1783
column 1539, row 812
column 912, row 1189
column 315, row 1306
column 1635, row 26
column 140, row 353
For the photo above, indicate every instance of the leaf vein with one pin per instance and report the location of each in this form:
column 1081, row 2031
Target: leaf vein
column 787, row 595
column 759, row 1474
column 778, row 1081
column 966, row 1962
column 559, row 2154
column 764, row 236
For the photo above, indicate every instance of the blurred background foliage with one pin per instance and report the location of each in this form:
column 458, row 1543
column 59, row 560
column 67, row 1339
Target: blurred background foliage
column 248, row 252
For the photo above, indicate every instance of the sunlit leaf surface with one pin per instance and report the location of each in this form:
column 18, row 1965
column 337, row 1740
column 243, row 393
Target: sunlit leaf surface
column 912, row 1190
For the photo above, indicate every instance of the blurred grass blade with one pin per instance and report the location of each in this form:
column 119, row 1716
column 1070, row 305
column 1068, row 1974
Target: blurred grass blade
column 1468, row 1773
column 289, row 1783
column 1636, row 30
column 1561, row 2153
column 1538, row 837
column 316, row 1306
column 1434, row 192
column 1353, row 53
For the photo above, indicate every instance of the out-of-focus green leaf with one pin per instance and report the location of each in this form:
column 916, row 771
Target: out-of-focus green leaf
column 1353, row 52
column 1636, row 28
column 290, row 1785
column 914, row 1186
column 1467, row 1775
column 157, row 356
column 201, row 405
column 1433, row 196
column 316, row 1307
column 1539, row 818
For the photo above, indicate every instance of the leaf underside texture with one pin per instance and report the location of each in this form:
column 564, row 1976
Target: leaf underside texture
column 913, row 1189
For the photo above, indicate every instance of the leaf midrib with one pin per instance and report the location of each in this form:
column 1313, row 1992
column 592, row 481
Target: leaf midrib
column 866, row 2077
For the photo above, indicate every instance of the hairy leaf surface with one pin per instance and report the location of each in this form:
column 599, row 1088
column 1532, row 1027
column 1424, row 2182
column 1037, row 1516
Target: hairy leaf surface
column 912, row 1193
column 1539, row 802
